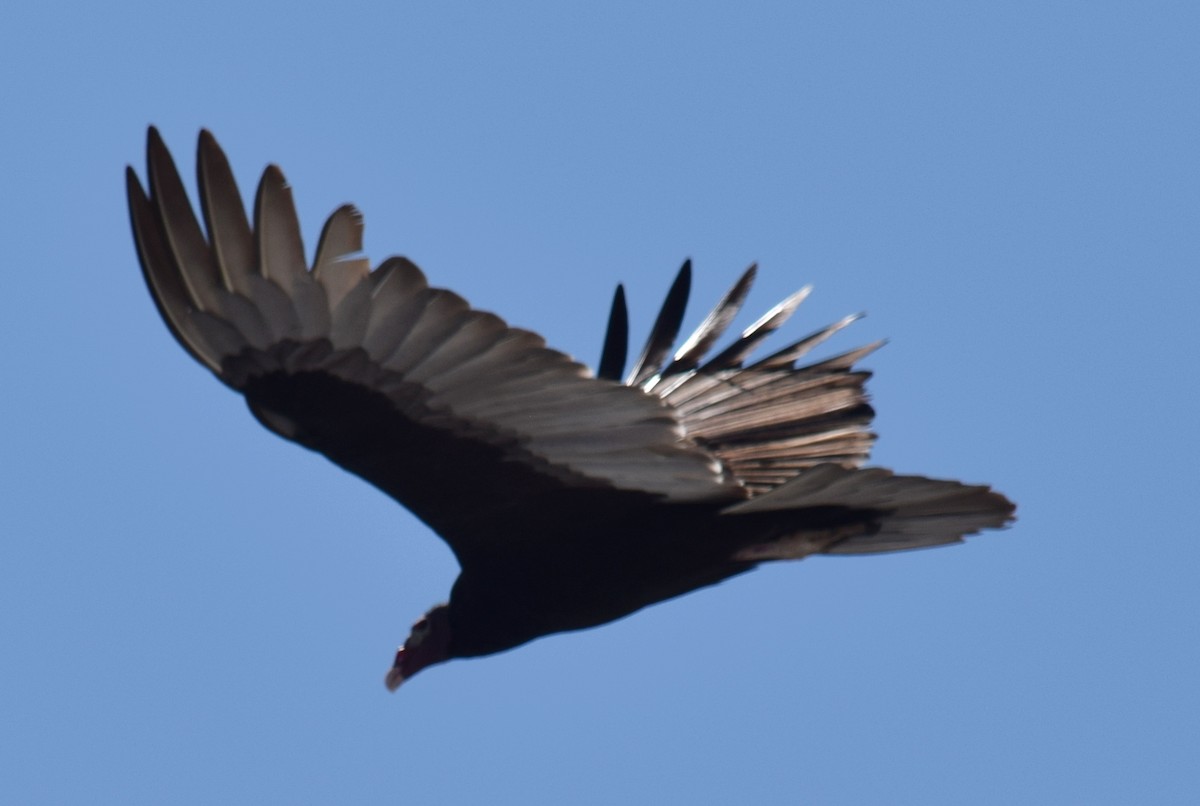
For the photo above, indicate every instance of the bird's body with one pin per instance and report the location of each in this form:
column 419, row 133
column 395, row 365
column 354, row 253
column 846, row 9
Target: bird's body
column 548, row 553
column 552, row 557
column 569, row 499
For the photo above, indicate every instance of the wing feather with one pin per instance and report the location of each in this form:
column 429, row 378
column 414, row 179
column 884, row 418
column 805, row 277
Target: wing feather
column 277, row 229
column 400, row 292
column 772, row 320
column 179, row 229
column 666, row 328
column 335, row 267
column 616, row 339
column 713, row 326
column 228, row 230
column 167, row 286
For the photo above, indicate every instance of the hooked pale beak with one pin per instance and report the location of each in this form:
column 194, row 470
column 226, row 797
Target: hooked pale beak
column 395, row 675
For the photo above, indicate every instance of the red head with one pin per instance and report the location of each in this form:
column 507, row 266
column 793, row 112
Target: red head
column 427, row 644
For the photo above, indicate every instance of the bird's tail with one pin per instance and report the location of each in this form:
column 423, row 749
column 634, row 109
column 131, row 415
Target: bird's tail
column 870, row 510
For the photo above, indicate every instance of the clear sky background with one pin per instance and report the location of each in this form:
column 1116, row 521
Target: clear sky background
column 195, row 611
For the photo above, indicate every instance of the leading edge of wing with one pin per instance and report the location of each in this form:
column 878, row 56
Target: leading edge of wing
column 242, row 301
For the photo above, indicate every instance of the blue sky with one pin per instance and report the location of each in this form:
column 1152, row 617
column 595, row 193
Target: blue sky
column 194, row 611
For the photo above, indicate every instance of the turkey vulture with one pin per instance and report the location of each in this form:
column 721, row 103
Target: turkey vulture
column 570, row 499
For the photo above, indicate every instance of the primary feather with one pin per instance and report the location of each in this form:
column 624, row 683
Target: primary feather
column 570, row 499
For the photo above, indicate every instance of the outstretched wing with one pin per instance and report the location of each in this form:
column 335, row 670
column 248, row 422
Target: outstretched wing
column 766, row 422
column 794, row 436
column 465, row 420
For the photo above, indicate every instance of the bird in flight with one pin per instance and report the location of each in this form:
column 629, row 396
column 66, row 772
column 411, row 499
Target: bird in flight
column 569, row 498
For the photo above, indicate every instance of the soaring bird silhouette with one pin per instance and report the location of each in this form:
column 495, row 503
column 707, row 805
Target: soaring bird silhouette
column 570, row 499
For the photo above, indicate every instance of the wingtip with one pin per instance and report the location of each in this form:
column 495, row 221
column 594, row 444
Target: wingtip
column 354, row 213
column 208, row 150
column 154, row 140
column 774, row 318
column 274, row 173
column 682, row 284
column 616, row 339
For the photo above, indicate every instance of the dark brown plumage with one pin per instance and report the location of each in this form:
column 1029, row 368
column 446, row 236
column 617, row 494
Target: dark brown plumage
column 569, row 499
